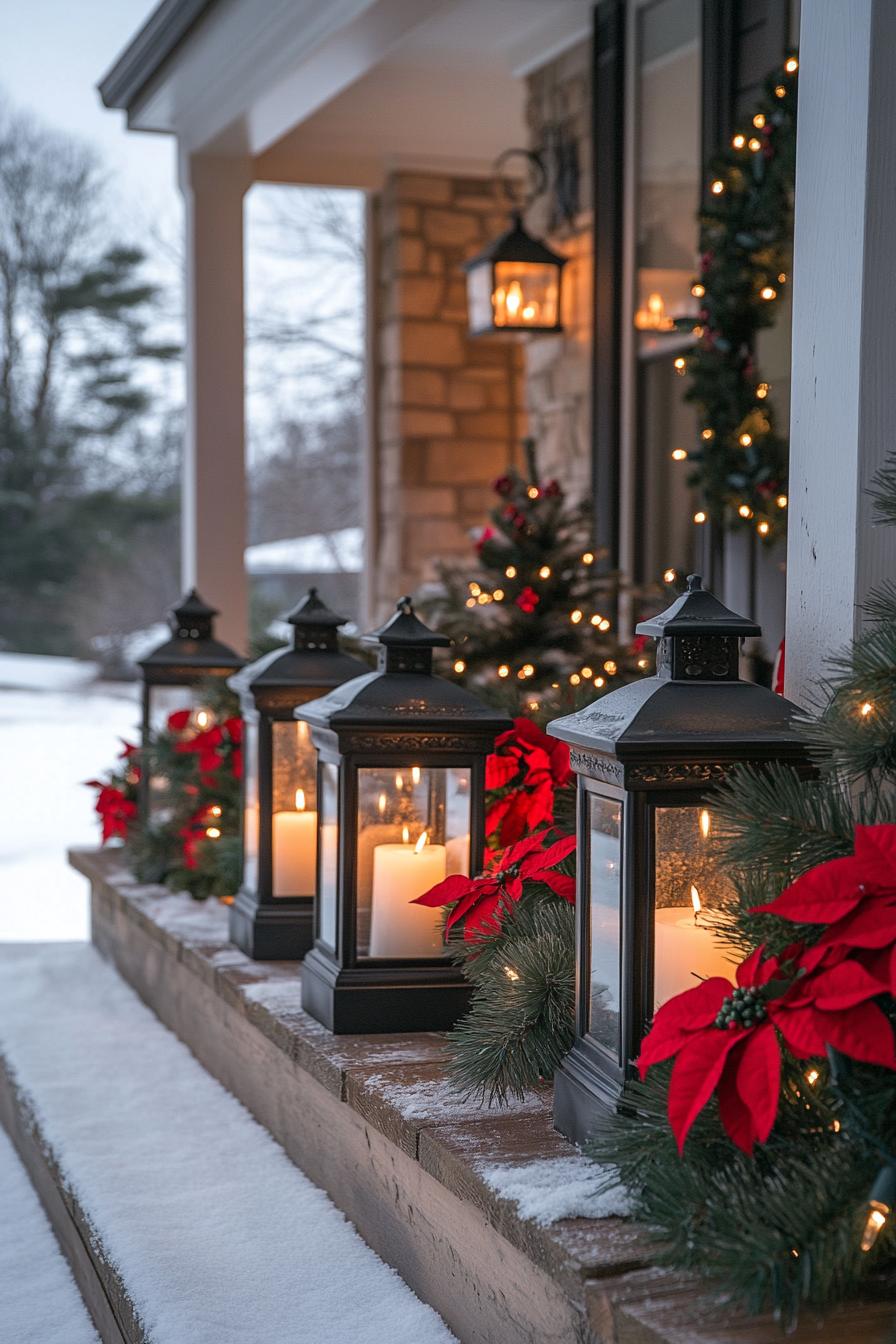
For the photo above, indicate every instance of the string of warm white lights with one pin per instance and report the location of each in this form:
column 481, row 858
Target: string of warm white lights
column 739, row 461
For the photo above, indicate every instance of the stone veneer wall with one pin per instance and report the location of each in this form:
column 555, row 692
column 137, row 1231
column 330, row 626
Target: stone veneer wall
column 448, row 416
column 558, row 368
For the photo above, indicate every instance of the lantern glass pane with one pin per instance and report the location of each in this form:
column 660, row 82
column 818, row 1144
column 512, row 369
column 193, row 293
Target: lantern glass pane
column 688, row 888
column 413, row 831
column 294, row 809
column 250, row 804
column 328, row 870
column 167, row 700
column 605, row 876
column 527, row 294
column 479, row 297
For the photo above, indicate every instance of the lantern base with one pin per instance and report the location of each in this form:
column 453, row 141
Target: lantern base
column 583, row 1095
column 282, row 932
column 378, row 998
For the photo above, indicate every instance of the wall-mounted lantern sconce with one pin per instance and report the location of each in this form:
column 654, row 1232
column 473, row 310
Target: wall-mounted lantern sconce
column 514, row 284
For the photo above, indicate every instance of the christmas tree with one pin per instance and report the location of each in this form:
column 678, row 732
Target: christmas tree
column 765, row 1154
column 533, row 625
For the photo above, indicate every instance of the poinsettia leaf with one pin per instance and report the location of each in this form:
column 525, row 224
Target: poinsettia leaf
column 736, row 1117
column 820, row 896
column 800, row 1030
column 499, row 771
column 759, row 1078
column 844, row 985
column 748, row 970
column 870, row 924
column 695, row 1074
column 447, row 891
column 561, row 884
column 558, row 851
column 876, row 846
column 862, row 1033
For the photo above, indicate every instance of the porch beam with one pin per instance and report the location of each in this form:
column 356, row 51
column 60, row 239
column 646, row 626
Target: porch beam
column 214, row 495
column 843, row 408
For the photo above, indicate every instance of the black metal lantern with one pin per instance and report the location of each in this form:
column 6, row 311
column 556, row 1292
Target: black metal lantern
column 272, row 916
column 647, row 757
column 173, row 675
column 515, row 283
column 401, row 781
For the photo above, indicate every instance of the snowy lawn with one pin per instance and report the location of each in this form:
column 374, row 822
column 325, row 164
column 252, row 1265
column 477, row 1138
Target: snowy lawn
column 51, row 740
column 38, row 1296
column 218, row 1237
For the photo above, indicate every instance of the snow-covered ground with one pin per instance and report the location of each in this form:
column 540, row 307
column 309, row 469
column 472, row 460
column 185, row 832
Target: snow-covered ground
column 38, row 1297
column 217, row 1236
column 52, row 739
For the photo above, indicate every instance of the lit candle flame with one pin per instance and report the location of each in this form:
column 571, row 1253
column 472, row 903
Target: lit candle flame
column 300, row 800
column 514, row 298
column 415, row 774
column 704, row 822
column 876, row 1219
column 696, row 902
column 424, row 837
column 381, row 803
column 405, row 836
column 399, row 782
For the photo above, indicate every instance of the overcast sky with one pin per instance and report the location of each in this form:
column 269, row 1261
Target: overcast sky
column 54, row 52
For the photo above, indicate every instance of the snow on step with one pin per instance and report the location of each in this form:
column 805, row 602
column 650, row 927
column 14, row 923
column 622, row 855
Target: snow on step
column 38, row 1298
column 216, row 1236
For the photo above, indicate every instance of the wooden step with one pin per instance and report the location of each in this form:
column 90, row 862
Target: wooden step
column 374, row 1122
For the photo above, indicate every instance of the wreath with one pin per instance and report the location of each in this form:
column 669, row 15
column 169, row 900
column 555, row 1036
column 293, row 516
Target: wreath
column 739, row 461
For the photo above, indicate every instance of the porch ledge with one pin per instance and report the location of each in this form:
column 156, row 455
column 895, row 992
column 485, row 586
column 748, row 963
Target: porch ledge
column 373, row 1120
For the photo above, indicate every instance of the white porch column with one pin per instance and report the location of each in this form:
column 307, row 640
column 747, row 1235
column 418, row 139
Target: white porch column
column 843, row 420
column 213, row 509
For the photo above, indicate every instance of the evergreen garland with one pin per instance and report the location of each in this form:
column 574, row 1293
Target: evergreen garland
column 784, row 1227
column 746, row 230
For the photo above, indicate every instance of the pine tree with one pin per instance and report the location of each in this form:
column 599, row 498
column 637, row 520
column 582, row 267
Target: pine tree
column 783, row 1227
column 533, row 625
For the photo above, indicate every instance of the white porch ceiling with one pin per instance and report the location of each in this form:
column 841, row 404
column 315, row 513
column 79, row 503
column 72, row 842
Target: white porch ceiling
column 339, row 92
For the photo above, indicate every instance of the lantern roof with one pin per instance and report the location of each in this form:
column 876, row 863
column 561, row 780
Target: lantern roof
column 516, row 245
column 404, row 692
column 698, row 612
column 697, row 707
column 192, row 645
column 314, row 658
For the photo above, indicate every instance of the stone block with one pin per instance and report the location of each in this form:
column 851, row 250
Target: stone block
column 434, row 501
column 467, row 394
column 458, row 462
column 421, row 387
column 422, row 188
column 450, row 228
column 483, row 424
column 437, row 344
column 408, row 253
column 418, row 295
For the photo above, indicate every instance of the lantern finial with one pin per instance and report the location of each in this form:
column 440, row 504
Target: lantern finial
column 405, row 643
column 314, row 624
column 698, row 638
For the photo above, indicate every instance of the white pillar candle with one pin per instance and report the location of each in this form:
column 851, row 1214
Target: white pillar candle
column 295, row 850
column 457, row 851
column 400, row 874
column 685, row 950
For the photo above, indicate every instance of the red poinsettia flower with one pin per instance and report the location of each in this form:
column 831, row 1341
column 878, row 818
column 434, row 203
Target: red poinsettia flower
column 834, row 890
column 115, row 810
column 178, row 721
column 527, row 600
column 234, row 729
column 725, row 1038
column 531, row 766
column 477, row 900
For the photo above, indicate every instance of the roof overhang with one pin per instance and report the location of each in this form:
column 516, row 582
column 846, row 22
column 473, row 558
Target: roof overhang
column 340, row 92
